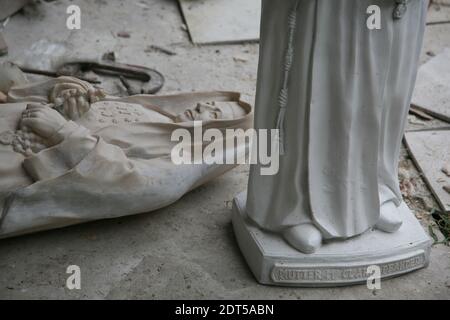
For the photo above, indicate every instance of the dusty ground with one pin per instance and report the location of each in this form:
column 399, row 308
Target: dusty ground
column 188, row 249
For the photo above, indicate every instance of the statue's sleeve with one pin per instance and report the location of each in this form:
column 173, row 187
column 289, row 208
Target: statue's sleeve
column 84, row 178
column 39, row 91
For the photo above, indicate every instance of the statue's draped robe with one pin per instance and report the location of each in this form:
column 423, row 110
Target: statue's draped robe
column 109, row 166
column 346, row 96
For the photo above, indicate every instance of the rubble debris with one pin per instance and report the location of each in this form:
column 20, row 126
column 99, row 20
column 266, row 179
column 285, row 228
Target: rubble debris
column 240, row 59
column 109, row 56
column 221, row 21
column 156, row 48
column 443, row 223
column 420, row 114
column 430, row 151
column 415, row 120
column 149, row 80
column 112, row 69
column 127, row 86
column 446, row 188
column 123, row 34
column 56, row 74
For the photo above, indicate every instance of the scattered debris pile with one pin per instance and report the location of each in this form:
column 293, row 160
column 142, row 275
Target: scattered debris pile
column 428, row 142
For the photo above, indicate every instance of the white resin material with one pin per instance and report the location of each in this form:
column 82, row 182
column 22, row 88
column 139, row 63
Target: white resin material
column 337, row 262
column 71, row 154
column 339, row 93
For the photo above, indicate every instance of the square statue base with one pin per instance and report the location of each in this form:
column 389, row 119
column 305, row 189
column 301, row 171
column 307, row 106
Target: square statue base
column 336, row 263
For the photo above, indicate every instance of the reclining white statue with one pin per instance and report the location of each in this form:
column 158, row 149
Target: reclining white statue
column 71, row 154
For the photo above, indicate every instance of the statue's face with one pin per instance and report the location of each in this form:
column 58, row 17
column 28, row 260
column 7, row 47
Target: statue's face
column 210, row 111
column 202, row 112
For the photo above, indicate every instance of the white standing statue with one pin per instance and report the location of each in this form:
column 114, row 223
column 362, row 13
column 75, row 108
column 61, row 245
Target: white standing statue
column 336, row 78
column 71, row 154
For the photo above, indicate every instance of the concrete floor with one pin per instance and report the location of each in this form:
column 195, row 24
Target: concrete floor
column 187, row 250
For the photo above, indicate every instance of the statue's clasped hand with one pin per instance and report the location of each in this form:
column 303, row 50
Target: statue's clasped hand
column 72, row 100
column 41, row 123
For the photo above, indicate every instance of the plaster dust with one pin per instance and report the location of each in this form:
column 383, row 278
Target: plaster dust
column 186, row 250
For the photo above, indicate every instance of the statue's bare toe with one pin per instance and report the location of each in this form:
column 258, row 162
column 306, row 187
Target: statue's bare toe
column 305, row 237
column 389, row 218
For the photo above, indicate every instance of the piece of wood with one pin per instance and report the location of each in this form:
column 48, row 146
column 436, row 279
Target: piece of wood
column 160, row 49
column 419, row 113
column 430, row 150
column 222, row 21
column 432, row 92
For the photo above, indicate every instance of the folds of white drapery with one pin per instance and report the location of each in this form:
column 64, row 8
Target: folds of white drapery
column 349, row 91
column 105, row 171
